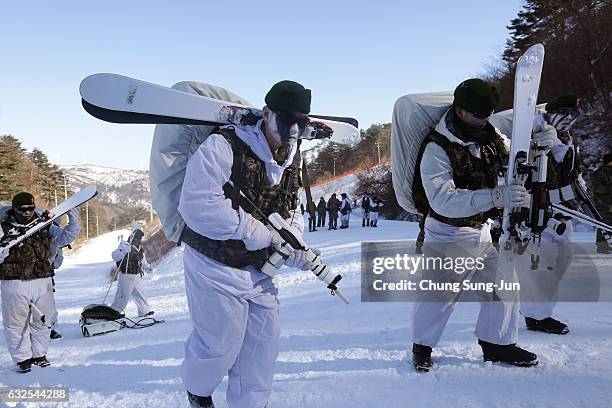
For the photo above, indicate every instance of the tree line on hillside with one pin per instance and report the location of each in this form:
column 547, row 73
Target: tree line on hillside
column 334, row 159
column 21, row 170
column 577, row 36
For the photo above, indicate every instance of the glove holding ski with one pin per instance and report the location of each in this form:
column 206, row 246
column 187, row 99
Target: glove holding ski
column 73, row 215
column 511, row 196
column 545, row 136
column 300, row 259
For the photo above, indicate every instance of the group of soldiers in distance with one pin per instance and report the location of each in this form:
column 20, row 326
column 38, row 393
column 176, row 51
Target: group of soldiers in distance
column 370, row 206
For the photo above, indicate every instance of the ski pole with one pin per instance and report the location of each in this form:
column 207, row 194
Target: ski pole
column 111, row 284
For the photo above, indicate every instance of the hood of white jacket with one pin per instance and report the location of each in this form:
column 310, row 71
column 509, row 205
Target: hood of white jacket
column 473, row 147
column 254, row 137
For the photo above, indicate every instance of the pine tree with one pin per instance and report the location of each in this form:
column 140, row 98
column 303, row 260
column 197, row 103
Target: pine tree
column 12, row 162
column 577, row 36
column 42, row 177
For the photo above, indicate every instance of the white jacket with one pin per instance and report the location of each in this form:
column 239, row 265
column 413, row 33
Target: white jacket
column 203, row 205
column 437, row 176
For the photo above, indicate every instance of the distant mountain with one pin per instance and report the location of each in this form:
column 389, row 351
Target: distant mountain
column 127, row 188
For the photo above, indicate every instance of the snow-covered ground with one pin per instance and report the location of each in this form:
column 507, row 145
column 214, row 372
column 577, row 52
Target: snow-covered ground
column 332, row 355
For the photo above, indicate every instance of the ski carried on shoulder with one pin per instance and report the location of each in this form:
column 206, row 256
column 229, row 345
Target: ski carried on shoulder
column 120, row 99
column 17, row 234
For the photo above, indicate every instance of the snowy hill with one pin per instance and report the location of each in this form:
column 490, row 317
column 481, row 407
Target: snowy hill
column 331, row 354
column 115, row 186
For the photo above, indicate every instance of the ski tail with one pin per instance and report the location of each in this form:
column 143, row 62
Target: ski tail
column 351, row 121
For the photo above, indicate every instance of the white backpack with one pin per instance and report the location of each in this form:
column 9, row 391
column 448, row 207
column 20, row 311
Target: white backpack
column 414, row 117
column 172, row 147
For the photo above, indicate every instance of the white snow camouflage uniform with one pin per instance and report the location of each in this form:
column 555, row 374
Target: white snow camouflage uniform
column 541, row 287
column 234, row 311
column 25, row 339
column 497, row 321
column 345, row 217
column 130, row 285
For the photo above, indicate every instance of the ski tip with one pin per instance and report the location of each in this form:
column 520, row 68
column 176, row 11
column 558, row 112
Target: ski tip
column 90, row 190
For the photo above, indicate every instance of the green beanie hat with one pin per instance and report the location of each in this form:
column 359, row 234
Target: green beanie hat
column 23, row 198
column 288, row 96
column 476, row 96
column 563, row 101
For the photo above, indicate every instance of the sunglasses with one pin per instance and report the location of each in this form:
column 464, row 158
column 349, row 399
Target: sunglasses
column 25, row 208
column 290, row 118
column 482, row 115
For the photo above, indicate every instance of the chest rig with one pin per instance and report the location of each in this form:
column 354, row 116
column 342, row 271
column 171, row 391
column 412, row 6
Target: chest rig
column 132, row 261
column 30, row 260
column 469, row 172
column 249, row 176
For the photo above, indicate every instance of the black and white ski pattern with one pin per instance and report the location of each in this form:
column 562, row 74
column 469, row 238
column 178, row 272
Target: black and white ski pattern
column 120, row 99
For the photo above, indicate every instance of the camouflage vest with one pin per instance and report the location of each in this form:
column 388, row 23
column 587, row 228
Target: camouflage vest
column 30, row 260
column 469, row 172
column 249, row 176
column 132, row 261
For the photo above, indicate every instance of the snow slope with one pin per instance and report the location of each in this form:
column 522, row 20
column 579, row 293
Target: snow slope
column 331, row 354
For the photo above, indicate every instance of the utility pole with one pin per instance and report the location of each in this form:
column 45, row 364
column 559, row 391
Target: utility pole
column 87, row 219
column 97, row 226
column 334, row 167
column 65, row 188
column 55, row 190
column 378, row 147
column 151, row 212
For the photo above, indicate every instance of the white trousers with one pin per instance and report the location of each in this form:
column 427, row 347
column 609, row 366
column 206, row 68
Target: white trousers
column 26, row 339
column 497, row 321
column 235, row 331
column 131, row 286
column 540, row 287
column 374, row 215
column 344, row 219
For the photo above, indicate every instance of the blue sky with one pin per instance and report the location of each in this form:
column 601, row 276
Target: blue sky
column 357, row 57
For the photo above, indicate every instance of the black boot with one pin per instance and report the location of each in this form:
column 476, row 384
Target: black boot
column 24, row 366
column 421, row 357
column 200, row 402
column 509, row 354
column 55, row 335
column 548, row 325
column 363, row 222
column 41, row 361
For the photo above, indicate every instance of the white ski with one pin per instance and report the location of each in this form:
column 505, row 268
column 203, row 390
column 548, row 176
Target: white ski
column 18, row 234
column 526, row 86
column 120, row 99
